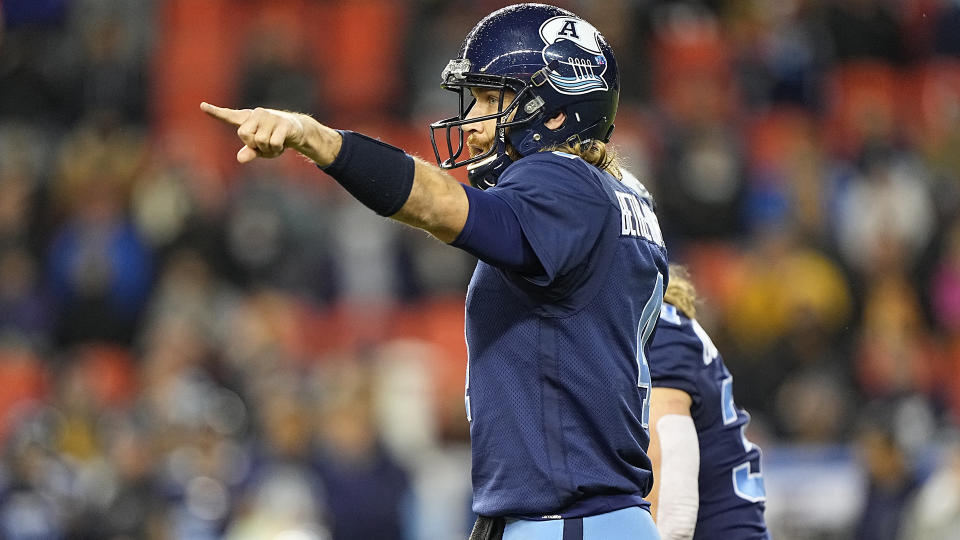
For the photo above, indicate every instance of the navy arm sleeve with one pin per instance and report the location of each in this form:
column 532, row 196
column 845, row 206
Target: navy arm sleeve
column 493, row 234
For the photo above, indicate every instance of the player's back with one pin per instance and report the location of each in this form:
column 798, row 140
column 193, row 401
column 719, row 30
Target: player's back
column 731, row 487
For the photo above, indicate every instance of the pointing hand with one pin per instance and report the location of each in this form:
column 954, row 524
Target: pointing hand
column 264, row 132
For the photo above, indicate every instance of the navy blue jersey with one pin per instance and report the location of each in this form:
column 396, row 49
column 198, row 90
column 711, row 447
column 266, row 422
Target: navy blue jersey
column 557, row 383
column 732, row 495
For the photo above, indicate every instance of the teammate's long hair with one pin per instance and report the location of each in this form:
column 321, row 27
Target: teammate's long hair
column 596, row 153
column 680, row 291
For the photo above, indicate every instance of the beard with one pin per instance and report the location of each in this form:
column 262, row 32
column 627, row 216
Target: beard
column 478, row 147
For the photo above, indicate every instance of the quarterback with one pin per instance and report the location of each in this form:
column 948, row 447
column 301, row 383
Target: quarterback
column 571, row 270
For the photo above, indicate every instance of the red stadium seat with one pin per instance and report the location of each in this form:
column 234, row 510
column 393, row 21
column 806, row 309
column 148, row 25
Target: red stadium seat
column 692, row 73
column 863, row 102
column 777, row 135
column 25, row 381
column 935, row 106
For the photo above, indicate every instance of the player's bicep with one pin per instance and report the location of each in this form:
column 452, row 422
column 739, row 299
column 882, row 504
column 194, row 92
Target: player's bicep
column 493, row 234
column 665, row 401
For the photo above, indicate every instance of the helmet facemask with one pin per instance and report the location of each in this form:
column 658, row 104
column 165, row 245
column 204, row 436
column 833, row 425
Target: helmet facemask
column 484, row 168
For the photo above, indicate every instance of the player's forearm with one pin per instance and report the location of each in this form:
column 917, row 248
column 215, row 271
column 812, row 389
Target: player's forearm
column 382, row 177
column 391, row 182
column 437, row 203
column 679, row 465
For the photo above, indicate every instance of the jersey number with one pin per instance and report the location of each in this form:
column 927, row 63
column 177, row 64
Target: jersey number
column 648, row 320
column 746, row 484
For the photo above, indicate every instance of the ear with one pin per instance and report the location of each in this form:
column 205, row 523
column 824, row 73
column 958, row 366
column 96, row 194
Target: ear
column 556, row 121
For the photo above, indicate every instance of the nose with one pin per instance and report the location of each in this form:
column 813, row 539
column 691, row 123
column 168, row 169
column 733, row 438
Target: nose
column 473, row 127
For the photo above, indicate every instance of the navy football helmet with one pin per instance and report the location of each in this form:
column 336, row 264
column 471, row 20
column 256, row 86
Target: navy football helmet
column 554, row 62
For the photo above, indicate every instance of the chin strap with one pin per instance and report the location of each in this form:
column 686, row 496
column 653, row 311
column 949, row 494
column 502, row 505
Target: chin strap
column 486, row 172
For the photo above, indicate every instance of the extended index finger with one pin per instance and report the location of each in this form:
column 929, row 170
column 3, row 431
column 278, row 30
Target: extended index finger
column 231, row 116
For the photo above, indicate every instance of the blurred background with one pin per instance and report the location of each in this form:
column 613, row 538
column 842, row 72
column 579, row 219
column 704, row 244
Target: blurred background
column 193, row 349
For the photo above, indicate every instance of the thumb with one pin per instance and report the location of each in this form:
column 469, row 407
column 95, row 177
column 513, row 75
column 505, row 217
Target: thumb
column 247, row 154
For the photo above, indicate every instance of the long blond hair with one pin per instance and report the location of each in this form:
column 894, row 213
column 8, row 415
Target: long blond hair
column 680, row 291
column 596, row 153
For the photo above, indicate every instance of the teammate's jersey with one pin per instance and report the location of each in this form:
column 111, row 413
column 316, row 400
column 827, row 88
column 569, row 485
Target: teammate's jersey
column 557, row 383
column 732, row 495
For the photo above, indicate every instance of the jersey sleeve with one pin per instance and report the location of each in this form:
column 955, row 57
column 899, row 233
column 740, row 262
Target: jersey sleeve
column 561, row 206
column 675, row 355
column 493, row 234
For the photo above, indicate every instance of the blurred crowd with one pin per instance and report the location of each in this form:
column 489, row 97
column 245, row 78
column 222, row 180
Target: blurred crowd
column 192, row 349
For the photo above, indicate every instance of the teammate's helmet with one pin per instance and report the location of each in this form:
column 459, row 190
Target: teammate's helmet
column 554, row 61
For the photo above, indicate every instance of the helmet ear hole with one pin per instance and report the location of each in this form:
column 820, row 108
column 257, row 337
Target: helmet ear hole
column 556, row 120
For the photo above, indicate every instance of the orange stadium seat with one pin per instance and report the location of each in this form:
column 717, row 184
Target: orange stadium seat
column 361, row 76
column 774, row 136
column 108, row 371
column 692, row 74
column 864, row 100
column 25, row 381
column 192, row 64
column 936, row 103
column 200, row 53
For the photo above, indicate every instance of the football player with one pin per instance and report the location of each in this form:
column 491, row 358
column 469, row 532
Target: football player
column 570, row 276
column 708, row 478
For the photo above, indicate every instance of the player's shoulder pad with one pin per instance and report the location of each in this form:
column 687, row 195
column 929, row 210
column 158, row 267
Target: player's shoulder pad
column 631, row 181
column 677, row 332
column 558, row 168
column 552, row 159
column 673, row 327
column 675, row 350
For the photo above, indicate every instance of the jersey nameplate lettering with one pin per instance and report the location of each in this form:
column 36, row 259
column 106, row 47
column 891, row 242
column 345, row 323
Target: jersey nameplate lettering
column 637, row 219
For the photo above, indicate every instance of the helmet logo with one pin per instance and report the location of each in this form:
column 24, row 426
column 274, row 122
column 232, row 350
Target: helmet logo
column 575, row 46
column 569, row 29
